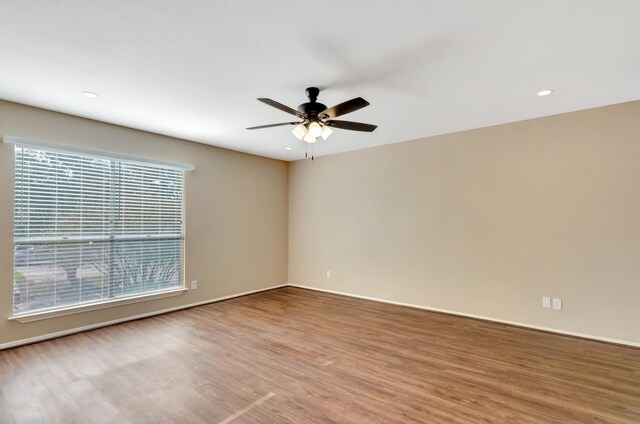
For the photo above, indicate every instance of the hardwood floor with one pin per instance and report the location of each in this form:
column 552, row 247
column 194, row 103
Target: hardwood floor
column 298, row 356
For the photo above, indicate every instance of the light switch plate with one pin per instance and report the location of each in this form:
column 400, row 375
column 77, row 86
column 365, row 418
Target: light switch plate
column 546, row 302
column 557, row 304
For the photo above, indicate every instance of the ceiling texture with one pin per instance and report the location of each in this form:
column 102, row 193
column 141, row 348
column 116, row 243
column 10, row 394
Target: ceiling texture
column 193, row 68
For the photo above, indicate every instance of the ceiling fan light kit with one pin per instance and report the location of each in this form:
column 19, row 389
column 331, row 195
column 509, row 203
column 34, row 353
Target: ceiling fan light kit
column 310, row 132
column 317, row 119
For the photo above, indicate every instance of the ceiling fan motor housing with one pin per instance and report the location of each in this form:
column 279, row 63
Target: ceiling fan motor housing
column 312, row 108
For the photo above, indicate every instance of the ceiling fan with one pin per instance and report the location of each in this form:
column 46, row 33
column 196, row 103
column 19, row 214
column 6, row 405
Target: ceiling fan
column 317, row 119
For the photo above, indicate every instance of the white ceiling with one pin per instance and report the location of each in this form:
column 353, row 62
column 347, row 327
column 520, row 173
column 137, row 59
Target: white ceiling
column 193, row 68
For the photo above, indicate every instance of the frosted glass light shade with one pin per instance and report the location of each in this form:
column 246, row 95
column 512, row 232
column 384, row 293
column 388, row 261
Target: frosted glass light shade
column 299, row 131
column 315, row 129
column 326, row 132
column 309, row 139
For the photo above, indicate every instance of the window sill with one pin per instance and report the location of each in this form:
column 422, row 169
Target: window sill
column 58, row 312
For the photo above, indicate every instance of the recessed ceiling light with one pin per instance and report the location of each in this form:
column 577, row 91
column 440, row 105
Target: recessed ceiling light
column 544, row 92
column 90, row 94
column 288, row 148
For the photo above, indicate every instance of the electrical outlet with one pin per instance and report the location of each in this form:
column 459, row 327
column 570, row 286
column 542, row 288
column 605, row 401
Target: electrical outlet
column 328, row 274
column 557, row 304
column 546, row 302
column 194, row 284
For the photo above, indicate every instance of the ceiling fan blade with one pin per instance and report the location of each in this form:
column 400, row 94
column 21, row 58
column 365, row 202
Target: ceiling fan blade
column 280, row 106
column 274, row 125
column 353, row 126
column 345, row 107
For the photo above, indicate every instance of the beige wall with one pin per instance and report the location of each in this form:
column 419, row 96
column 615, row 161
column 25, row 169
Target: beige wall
column 235, row 214
column 484, row 222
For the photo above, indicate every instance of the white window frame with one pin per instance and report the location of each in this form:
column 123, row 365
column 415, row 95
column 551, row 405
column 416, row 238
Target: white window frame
column 36, row 315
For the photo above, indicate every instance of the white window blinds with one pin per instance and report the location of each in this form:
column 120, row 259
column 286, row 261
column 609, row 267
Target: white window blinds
column 89, row 228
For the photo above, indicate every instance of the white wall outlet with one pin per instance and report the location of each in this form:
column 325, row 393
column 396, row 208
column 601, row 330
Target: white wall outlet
column 194, row 284
column 328, row 274
column 557, row 304
column 546, row 302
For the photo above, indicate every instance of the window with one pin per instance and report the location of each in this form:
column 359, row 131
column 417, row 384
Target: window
column 90, row 228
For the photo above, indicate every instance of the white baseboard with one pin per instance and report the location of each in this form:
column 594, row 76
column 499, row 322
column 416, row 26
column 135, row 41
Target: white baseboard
column 49, row 336
column 446, row 311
